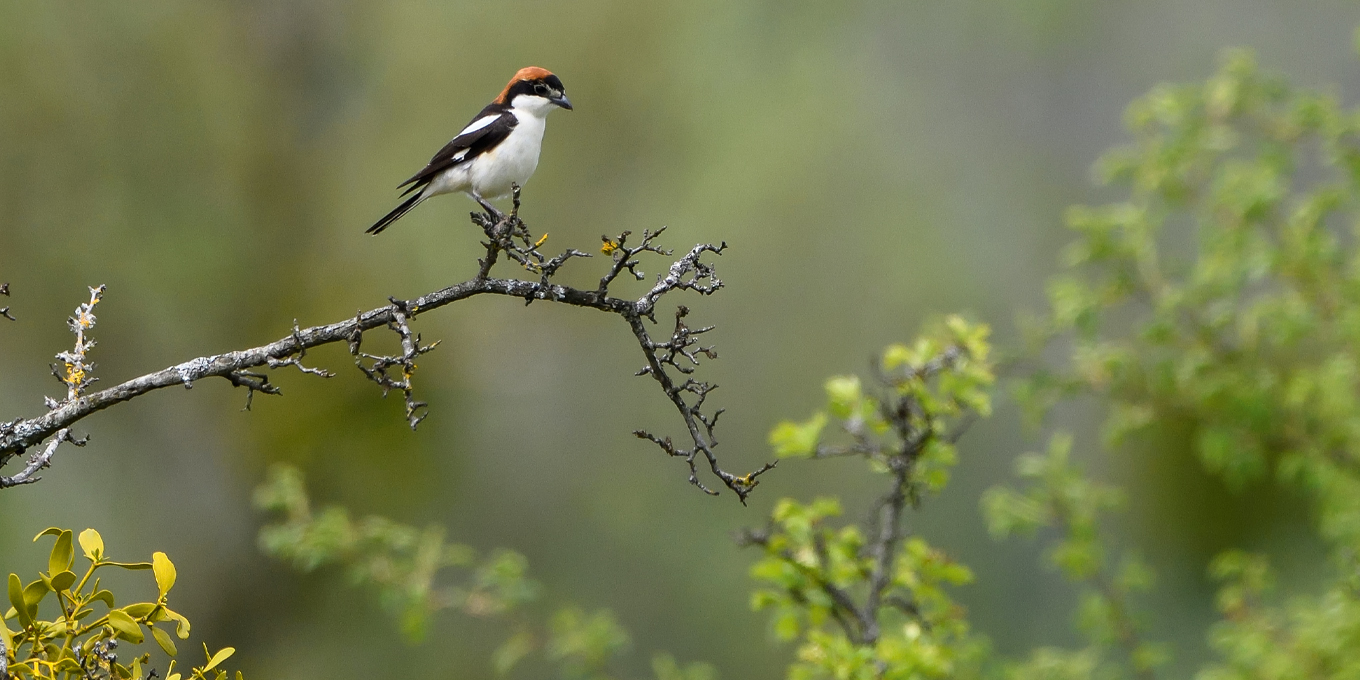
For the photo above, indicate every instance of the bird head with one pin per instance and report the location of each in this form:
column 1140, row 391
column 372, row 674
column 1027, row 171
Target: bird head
column 535, row 89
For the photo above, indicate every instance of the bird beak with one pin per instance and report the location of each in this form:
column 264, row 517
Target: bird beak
column 562, row 101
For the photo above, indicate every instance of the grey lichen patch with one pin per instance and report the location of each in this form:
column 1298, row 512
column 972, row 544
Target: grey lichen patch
column 193, row 369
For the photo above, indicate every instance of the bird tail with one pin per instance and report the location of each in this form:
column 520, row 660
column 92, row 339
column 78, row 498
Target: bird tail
column 396, row 213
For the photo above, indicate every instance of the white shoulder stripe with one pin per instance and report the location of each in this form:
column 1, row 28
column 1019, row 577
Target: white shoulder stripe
column 479, row 124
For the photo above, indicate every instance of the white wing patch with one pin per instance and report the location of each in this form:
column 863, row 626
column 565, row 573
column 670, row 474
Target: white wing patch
column 479, row 124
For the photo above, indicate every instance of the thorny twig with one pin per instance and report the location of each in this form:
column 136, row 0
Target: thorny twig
column 4, row 311
column 39, row 460
column 75, row 371
column 505, row 233
column 378, row 370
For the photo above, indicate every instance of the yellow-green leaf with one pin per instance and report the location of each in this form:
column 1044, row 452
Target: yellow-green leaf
column 92, row 544
column 63, row 555
column 791, row 439
column 64, row 580
column 127, row 628
column 34, row 593
column 512, row 651
column 49, row 531
column 165, row 572
column 103, row 596
column 181, row 623
column 163, row 639
column 140, row 609
column 16, row 598
column 134, row 566
column 218, row 658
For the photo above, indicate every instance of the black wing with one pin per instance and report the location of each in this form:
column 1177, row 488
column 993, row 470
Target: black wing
column 466, row 145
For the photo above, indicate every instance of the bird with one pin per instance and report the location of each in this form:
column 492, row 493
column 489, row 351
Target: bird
column 498, row 150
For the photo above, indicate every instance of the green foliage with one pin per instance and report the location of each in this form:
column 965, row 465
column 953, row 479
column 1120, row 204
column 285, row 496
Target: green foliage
column 584, row 643
column 665, row 668
column 1311, row 637
column 1253, row 343
column 403, row 564
column 942, row 379
column 874, row 603
column 68, row 638
column 400, row 561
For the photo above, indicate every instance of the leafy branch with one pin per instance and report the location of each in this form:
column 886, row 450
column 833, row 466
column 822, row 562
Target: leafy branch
column 418, row 574
column 1060, row 496
column 883, row 589
column 79, row 644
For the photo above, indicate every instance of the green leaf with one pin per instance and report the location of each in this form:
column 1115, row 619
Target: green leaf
column 103, row 596
column 181, row 623
column 512, row 651
column 49, row 531
column 218, row 658
column 163, row 639
column 843, row 393
column 16, row 598
column 64, row 580
column 125, row 626
column 68, row 665
column 92, row 544
column 165, row 572
column 791, row 439
column 34, row 594
column 786, row 624
column 896, row 355
column 131, row 566
column 140, row 609
column 63, row 555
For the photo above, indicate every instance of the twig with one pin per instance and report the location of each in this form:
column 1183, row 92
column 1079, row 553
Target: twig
column 40, row 460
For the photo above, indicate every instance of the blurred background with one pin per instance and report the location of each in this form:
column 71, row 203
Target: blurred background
column 870, row 163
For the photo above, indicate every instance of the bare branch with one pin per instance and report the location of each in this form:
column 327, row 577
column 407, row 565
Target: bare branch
column 506, row 233
column 378, row 370
column 39, row 460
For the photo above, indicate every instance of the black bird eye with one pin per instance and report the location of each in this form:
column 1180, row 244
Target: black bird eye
column 541, row 89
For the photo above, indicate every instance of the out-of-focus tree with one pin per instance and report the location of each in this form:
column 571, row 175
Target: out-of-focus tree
column 1252, row 343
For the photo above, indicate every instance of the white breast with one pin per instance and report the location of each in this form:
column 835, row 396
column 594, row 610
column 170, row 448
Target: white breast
column 512, row 161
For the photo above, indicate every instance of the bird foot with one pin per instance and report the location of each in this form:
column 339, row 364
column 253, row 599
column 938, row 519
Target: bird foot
column 491, row 210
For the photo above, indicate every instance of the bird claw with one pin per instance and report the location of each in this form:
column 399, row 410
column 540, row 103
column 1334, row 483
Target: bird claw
column 491, row 210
